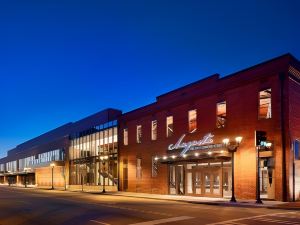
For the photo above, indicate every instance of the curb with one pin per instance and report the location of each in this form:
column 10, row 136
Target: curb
column 242, row 205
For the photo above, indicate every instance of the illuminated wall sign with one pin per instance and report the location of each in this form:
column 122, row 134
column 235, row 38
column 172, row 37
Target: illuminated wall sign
column 194, row 145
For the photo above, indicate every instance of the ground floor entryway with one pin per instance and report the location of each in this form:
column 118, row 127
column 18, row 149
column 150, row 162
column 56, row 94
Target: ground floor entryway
column 211, row 179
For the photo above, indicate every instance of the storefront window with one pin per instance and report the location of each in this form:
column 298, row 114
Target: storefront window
column 154, row 130
column 296, row 147
column 265, row 108
column 221, row 114
column 192, row 120
column 154, row 167
column 139, row 134
column 170, row 126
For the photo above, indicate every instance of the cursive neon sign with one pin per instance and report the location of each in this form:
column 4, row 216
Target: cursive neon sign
column 191, row 145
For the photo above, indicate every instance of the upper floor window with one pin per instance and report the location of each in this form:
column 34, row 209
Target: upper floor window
column 221, row 114
column 170, row 130
column 154, row 130
column 192, row 120
column 139, row 134
column 125, row 136
column 265, row 107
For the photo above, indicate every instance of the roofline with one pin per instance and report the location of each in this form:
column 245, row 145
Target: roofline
column 288, row 55
column 216, row 75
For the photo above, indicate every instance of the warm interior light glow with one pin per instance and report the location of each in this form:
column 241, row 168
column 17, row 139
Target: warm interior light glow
column 226, row 141
column 222, row 151
column 238, row 139
column 184, row 156
column 101, row 157
column 209, row 153
column 196, row 154
column 268, row 144
column 173, row 156
column 52, row 164
column 106, row 157
column 165, row 157
column 156, row 158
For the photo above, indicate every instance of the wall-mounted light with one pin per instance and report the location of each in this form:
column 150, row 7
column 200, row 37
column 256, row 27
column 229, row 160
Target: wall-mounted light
column 238, row 140
column 173, row 156
column 226, row 141
column 165, row 157
column 196, row 154
column 209, row 153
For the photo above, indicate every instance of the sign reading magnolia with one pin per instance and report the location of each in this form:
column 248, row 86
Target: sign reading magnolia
column 191, row 145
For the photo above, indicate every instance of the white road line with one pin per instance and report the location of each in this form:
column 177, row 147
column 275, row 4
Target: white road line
column 249, row 218
column 168, row 220
column 95, row 221
column 235, row 223
column 276, row 221
column 288, row 216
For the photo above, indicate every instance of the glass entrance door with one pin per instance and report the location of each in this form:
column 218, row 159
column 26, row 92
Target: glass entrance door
column 207, row 182
column 176, row 180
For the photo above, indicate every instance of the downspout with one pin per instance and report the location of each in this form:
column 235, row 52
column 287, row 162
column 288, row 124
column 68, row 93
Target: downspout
column 283, row 137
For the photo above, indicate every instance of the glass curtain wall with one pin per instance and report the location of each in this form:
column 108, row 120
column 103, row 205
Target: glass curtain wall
column 94, row 156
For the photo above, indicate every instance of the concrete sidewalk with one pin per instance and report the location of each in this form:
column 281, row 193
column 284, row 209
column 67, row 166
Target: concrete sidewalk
column 190, row 199
column 213, row 201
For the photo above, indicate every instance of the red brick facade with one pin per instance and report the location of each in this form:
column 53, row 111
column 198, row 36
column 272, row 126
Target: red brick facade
column 240, row 91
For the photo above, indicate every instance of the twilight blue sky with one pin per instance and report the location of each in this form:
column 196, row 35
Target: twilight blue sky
column 63, row 60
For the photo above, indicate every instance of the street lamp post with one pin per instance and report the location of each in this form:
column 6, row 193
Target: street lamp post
column 232, row 148
column 103, row 160
column 52, row 168
column 258, row 199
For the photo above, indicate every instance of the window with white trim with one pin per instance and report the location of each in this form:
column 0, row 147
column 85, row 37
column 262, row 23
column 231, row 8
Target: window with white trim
column 169, row 122
column 192, row 120
column 139, row 134
column 154, row 130
column 265, row 106
column 125, row 136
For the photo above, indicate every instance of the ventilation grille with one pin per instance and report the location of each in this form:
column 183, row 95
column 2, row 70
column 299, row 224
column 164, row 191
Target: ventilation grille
column 294, row 72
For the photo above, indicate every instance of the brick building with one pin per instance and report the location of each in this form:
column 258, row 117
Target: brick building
column 176, row 145
column 182, row 144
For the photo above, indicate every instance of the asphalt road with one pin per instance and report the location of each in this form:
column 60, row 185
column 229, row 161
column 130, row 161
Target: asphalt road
column 32, row 206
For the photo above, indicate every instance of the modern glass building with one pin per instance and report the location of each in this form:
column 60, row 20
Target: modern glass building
column 89, row 147
column 93, row 156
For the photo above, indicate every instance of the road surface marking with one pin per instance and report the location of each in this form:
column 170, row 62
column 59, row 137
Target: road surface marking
column 234, row 223
column 276, row 221
column 249, row 218
column 95, row 221
column 168, row 220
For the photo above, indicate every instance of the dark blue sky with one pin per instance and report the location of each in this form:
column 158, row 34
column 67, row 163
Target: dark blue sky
column 63, row 60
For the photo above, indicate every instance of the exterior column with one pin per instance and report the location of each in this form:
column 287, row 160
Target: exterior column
column 5, row 180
